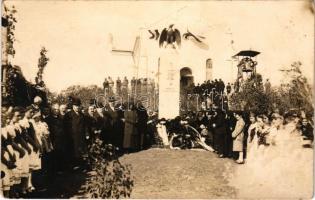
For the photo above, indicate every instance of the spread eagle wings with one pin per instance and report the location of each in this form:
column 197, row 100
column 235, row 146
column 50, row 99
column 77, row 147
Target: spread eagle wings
column 163, row 37
column 152, row 34
column 177, row 37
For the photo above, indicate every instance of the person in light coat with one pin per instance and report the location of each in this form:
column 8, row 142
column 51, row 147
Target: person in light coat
column 238, row 137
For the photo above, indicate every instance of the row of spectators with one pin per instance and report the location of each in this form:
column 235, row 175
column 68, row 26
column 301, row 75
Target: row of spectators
column 25, row 147
column 141, row 86
column 212, row 86
column 56, row 139
column 230, row 133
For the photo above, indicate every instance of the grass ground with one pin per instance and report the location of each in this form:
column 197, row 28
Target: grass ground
column 164, row 173
column 158, row 173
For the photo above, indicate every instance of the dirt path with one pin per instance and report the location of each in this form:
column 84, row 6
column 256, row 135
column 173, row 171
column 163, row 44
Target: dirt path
column 161, row 173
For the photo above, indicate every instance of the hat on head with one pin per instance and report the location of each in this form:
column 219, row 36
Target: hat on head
column 162, row 121
column 111, row 99
column 92, row 102
column 202, row 126
column 76, row 102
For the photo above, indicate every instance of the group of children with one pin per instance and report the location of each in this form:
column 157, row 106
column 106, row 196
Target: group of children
column 24, row 139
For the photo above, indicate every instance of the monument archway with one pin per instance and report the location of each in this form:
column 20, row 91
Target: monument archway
column 186, row 83
column 186, row 77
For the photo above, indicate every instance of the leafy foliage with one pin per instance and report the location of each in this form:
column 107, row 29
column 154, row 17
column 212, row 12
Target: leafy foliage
column 294, row 93
column 84, row 93
column 251, row 97
column 10, row 16
column 42, row 62
column 109, row 177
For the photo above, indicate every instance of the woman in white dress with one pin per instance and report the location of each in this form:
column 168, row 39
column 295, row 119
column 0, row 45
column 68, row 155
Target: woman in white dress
column 21, row 152
column 7, row 161
column 30, row 138
column 162, row 132
column 251, row 132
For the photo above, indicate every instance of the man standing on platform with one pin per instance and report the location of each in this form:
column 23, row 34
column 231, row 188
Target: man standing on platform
column 125, row 88
column 111, row 85
column 106, row 85
column 118, row 86
column 133, row 85
column 228, row 88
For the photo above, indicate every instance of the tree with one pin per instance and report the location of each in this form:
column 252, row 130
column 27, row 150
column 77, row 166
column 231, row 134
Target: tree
column 295, row 92
column 42, row 62
column 84, row 93
column 9, row 15
column 251, row 97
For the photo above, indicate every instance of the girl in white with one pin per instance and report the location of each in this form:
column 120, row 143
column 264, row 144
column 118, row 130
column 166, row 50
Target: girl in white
column 42, row 136
column 7, row 161
column 30, row 138
column 21, row 151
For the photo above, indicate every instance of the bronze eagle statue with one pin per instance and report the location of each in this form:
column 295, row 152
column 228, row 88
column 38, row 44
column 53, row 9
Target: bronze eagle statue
column 170, row 36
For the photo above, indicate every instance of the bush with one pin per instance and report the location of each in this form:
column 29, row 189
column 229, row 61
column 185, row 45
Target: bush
column 294, row 93
column 109, row 177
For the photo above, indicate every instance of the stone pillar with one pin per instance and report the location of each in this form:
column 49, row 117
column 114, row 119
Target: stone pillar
column 169, row 84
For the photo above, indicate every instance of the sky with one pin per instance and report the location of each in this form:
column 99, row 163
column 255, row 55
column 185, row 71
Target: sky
column 77, row 35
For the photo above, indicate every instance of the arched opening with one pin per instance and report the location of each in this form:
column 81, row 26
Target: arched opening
column 186, row 88
column 186, row 78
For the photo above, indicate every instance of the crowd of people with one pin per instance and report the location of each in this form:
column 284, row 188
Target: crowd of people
column 231, row 134
column 212, row 86
column 57, row 138
column 279, row 157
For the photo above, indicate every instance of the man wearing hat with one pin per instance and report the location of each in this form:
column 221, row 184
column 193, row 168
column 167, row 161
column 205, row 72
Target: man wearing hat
column 56, row 128
column 91, row 120
column 113, row 127
column 75, row 126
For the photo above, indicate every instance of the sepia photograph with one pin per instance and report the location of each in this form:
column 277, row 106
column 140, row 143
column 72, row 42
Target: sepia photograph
column 157, row 99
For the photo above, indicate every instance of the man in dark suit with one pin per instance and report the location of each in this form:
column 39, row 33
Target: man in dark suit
column 75, row 123
column 57, row 135
column 142, row 125
column 113, row 128
column 220, row 132
column 92, row 128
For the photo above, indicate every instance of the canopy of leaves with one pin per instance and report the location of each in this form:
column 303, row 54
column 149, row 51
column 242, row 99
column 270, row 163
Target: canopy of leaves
column 9, row 14
column 109, row 177
column 251, row 97
column 84, row 93
column 294, row 93
column 42, row 62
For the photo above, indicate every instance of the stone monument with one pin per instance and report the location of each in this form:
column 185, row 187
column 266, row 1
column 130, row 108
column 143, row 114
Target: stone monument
column 169, row 83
